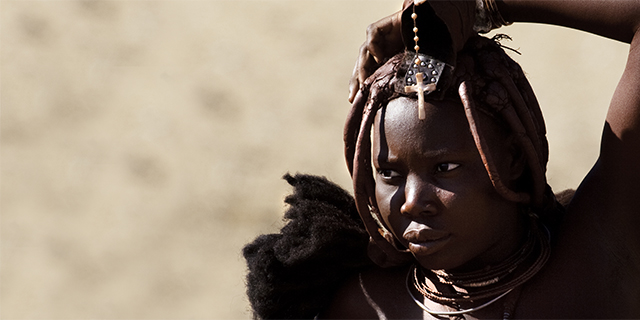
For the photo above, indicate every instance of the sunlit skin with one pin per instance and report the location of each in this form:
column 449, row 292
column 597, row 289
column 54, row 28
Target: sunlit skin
column 432, row 178
column 433, row 191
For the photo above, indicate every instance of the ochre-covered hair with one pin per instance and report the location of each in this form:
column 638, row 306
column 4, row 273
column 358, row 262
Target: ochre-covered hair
column 485, row 80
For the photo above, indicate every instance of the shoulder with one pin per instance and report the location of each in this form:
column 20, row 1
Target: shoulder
column 600, row 226
column 376, row 293
column 593, row 271
column 602, row 219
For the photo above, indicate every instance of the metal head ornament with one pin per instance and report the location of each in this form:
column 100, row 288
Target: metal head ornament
column 423, row 71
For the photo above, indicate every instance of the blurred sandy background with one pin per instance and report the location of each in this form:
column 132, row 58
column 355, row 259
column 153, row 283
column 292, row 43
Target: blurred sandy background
column 143, row 141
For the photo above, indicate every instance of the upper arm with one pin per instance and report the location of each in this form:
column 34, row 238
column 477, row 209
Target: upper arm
column 611, row 189
column 621, row 137
column 619, row 161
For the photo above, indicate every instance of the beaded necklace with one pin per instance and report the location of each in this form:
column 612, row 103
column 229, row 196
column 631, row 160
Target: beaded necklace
column 423, row 69
column 495, row 281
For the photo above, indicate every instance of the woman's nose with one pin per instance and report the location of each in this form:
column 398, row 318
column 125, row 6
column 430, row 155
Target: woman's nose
column 420, row 198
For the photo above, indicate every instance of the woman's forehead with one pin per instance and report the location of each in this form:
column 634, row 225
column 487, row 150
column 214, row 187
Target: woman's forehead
column 397, row 129
column 445, row 121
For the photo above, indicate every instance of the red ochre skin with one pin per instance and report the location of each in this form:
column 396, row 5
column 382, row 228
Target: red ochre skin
column 433, row 191
column 452, row 221
column 594, row 268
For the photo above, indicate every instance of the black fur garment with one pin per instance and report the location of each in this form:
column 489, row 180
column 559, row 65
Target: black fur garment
column 295, row 273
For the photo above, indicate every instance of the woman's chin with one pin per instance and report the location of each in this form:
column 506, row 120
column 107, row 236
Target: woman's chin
column 437, row 262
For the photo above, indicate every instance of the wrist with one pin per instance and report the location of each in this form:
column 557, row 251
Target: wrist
column 489, row 16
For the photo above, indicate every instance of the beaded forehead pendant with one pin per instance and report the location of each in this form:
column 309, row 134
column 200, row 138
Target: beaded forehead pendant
column 424, row 72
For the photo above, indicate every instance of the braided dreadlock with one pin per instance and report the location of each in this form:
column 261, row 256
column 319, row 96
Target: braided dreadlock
column 487, row 81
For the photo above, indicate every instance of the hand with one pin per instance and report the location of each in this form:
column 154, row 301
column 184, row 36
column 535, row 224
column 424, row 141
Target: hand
column 452, row 25
column 384, row 40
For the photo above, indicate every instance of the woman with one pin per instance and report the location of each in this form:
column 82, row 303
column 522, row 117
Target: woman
column 451, row 189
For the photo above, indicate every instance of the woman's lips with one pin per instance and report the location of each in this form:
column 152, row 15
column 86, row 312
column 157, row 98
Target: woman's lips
column 428, row 247
column 426, row 241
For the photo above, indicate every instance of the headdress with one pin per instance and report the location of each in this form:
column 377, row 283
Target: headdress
column 485, row 80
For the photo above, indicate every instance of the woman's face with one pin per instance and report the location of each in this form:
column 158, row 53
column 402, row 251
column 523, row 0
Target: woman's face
column 433, row 191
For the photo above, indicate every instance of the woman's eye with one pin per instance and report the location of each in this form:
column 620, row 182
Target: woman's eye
column 446, row 167
column 388, row 174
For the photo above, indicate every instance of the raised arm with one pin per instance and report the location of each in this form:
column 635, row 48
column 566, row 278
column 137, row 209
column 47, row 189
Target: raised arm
column 612, row 185
column 615, row 19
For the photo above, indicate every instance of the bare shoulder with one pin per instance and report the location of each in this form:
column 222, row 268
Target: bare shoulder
column 375, row 293
column 594, row 269
column 605, row 212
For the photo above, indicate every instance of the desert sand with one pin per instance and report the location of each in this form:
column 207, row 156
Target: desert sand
column 143, row 142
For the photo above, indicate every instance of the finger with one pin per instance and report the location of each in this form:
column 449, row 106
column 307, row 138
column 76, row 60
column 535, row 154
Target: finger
column 384, row 38
column 376, row 41
column 383, row 41
column 368, row 66
column 374, row 33
column 359, row 72
column 354, row 84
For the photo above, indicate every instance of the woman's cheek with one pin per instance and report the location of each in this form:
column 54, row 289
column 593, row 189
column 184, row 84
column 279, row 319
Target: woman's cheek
column 385, row 198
